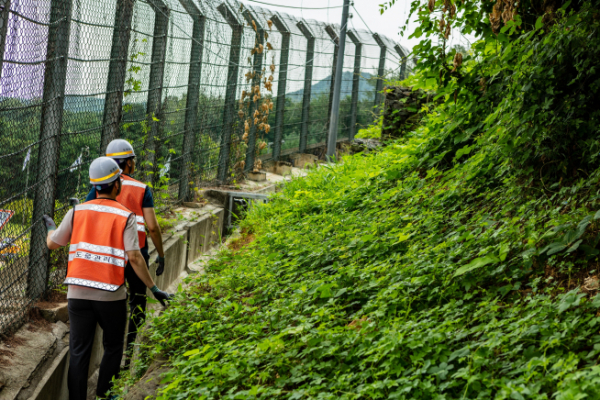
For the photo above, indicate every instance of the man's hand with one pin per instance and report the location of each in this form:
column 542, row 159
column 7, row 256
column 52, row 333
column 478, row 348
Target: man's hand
column 161, row 296
column 73, row 201
column 50, row 225
column 161, row 265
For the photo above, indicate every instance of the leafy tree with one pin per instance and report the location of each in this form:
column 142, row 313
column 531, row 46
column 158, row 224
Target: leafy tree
column 532, row 74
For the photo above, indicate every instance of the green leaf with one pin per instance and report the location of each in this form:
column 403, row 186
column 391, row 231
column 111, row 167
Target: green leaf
column 596, row 301
column 571, row 299
column 504, row 249
column 589, row 251
column 325, row 291
column 574, row 246
column 555, row 247
column 566, row 5
column 539, row 24
column 191, row 352
column 476, row 263
column 367, row 238
column 505, row 289
column 402, row 237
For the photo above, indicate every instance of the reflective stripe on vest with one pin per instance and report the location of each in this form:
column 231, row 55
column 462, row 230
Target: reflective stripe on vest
column 97, row 256
column 104, row 209
column 127, row 182
column 141, row 226
column 92, row 284
column 132, row 197
column 97, row 249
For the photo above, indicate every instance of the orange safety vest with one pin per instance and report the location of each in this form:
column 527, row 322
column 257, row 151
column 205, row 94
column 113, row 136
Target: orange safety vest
column 132, row 197
column 97, row 255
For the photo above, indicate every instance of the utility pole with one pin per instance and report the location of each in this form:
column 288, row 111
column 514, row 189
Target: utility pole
column 335, row 107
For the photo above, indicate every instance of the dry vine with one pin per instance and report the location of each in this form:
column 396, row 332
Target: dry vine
column 259, row 96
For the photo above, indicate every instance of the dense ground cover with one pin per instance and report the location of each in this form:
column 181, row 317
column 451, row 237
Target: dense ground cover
column 456, row 263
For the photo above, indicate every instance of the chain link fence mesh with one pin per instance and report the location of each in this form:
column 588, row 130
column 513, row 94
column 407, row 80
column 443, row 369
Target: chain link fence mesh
column 168, row 76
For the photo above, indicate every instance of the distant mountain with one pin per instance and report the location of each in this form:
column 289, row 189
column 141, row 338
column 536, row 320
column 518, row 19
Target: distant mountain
column 72, row 103
column 83, row 104
column 76, row 104
column 366, row 88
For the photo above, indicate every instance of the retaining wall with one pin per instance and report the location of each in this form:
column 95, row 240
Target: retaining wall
column 402, row 110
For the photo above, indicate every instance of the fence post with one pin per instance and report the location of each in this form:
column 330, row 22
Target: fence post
column 336, row 40
column 281, row 83
column 193, row 95
column 55, row 75
column 308, row 74
column 257, row 62
column 381, row 70
column 355, row 83
column 117, row 69
column 4, row 13
column 402, row 55
column 155, row 86
column 230, row 92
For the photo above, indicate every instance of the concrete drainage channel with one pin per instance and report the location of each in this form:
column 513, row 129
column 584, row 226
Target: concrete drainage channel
column 34, row 362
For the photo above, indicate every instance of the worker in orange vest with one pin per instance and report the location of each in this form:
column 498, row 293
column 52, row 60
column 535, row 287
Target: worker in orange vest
column 103, row 238
column 137, row 197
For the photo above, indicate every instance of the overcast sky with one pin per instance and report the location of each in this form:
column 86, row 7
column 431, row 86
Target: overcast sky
column 387, row 24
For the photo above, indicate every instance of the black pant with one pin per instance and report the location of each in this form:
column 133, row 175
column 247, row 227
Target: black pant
column 137, row 299
column 83, row 316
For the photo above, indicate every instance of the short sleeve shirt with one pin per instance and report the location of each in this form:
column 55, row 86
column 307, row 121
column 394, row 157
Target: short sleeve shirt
column 62, row 237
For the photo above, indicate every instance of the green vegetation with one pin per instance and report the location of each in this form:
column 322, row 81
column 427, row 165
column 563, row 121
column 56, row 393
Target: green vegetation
column 460, row 262
column 371, row 131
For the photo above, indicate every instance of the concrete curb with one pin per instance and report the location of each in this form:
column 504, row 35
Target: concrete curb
column 53, row 385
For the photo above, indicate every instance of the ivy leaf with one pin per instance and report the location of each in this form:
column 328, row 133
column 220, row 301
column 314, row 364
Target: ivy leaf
column 504, row 249
column 325, row 291
column 539, row 24
column 476, row 263
column 589, row 251
column 566, row 5
column 402, row 237
column 596, row 301
column 571, row 299
column 441, row 370
column 554, row 248
column 191, row 352
column 574, row 246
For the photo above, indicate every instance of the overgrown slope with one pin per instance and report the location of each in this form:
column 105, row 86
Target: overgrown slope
column 454, row 264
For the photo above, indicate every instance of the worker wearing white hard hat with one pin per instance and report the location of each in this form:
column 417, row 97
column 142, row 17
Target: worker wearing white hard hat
column 103, row 237
column 137, row 197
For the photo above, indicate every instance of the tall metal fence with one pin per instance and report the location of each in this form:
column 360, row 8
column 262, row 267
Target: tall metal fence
column 175, row 77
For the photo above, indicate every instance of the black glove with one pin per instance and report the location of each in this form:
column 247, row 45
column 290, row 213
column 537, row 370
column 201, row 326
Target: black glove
column 50, row 225
column 161, row 296
column 73, row 201
column 161, row 265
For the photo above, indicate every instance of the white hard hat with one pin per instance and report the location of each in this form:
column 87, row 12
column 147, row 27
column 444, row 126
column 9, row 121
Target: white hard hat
column 119, row 149
column 104, row 170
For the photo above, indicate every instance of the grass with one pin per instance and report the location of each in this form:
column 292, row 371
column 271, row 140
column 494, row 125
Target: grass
column 352, row 288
